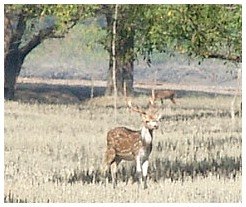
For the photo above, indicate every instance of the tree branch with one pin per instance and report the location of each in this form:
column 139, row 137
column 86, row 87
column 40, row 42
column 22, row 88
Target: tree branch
column 224, row 57
column 15, row 34
column 36, row 40
column 42, row 35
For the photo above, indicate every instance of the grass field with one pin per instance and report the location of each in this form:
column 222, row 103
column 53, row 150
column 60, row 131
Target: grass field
column 53, row 152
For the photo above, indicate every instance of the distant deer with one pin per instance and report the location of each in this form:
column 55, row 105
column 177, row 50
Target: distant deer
column 127, row 144
column 162, row 94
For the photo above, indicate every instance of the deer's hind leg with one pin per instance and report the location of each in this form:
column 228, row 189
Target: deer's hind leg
column 114, row 166
column 109, row 157
column 161, row 101
column 112, row 161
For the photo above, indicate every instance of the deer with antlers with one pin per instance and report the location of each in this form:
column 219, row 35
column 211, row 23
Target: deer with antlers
column 127, row 144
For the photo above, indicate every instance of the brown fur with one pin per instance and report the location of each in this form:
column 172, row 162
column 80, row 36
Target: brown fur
column 122, row 143
column 163, row 94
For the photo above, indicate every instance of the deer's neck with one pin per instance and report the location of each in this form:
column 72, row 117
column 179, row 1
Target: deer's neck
column 147, row 135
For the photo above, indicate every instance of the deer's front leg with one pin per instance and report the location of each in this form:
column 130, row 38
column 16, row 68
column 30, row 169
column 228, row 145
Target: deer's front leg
column 139, row 170
column 145, row 172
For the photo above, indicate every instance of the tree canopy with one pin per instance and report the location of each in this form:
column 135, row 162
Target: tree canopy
column 207, row 31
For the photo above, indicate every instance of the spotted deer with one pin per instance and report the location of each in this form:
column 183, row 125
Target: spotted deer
column 127, row 144
column 162, row 94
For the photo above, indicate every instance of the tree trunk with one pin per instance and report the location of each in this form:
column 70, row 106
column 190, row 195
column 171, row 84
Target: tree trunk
column 12, row 67
column 124, row 56
column 14, row 55
column 124, row 77
column 13, row 58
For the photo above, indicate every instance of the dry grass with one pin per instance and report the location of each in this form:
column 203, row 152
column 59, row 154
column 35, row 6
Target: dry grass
column 53, row 153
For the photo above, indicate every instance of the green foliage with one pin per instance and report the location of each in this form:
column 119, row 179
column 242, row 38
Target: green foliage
column 203, row 30
column 197, row 30
column 59, row 17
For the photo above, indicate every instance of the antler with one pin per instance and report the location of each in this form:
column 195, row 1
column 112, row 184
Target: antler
column 160, row 117
column 136, row 108
column 151, row 113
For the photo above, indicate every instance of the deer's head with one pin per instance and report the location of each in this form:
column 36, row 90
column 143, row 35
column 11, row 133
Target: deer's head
column 150, row 117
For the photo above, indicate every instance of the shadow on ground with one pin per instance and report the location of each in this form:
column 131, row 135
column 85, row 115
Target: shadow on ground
column 67, row 94
column 54, row 94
